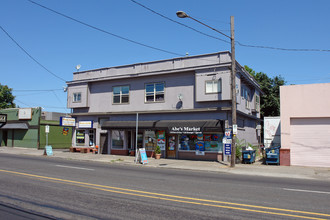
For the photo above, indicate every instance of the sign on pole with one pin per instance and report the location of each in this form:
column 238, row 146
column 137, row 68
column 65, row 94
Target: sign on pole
column 47, row 129
column 227, row 149
column 234, row 129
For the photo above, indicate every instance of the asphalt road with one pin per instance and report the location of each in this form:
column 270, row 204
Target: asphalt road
column 51, row 188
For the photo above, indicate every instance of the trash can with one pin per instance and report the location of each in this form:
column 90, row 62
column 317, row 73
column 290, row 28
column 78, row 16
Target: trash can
column 273, row 155
column 248, row 156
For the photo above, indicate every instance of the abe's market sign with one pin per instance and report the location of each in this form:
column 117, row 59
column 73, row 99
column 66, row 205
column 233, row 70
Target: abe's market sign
column 185, row 130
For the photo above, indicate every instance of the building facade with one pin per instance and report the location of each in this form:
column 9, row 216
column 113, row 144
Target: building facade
column 305, row 125
column 25, row 127
column 182, row 105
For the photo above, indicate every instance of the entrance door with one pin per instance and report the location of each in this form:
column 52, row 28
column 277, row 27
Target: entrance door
column 4, row 137
column 171, row 146
column 104, row 143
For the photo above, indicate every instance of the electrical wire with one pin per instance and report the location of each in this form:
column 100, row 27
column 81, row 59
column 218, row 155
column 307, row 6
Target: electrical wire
column 279, row 48
column 104, row 31
column 236, row 42
column 174, row 21
column 37, row 90
column 29, row 55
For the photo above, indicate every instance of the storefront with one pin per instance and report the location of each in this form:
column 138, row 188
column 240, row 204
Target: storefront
column 85, row 134
column 201, row 140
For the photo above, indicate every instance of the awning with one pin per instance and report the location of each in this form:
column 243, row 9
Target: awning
column 21, row 126
column 172, row 126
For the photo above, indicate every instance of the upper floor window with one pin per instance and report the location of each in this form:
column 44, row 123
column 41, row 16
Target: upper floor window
column 155, row 92
column 213, row 86
column 77, row 97
column 120, row 94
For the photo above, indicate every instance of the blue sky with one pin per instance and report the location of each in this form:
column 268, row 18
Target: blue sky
column 59, row 44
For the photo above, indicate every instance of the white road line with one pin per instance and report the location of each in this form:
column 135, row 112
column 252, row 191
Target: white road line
column 79, row 168
column 309, row 191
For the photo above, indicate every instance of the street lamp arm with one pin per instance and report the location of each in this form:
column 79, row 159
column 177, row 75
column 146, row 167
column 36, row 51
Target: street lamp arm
column 182, row 14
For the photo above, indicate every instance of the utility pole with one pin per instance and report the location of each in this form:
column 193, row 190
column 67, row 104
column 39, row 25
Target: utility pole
column 182, row 14
column 233, row 90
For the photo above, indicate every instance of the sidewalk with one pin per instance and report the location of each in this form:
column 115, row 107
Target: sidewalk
column 256, row 169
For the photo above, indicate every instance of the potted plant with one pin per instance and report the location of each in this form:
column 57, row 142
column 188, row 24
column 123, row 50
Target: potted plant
column 157, row 152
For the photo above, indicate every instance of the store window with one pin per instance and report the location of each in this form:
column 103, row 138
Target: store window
column 121, row 94
column 203, row 142
column 155, row 92
column 150, row 140
column 77, row 97
column 117, row 138
column 213, row 86
column 80, row 137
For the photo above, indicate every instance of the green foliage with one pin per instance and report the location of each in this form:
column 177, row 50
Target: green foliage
column 239, row 145
column 157, row 150
column 6, row 97
column 270, row 101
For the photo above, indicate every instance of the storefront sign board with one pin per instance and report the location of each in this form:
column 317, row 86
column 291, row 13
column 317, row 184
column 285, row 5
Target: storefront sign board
column 185, row 130
column 49, row 150
column 85, row 124
column 227, row 149
column 25, row 113
column 65, row 121
column 143, row 156
column 228, row 133
column 3, row 118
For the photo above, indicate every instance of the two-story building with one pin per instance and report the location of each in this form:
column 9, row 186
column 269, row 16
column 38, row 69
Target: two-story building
column 182, row 105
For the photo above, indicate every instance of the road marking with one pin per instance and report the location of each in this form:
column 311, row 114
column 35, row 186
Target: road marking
column 173, row 197
column 302, row 190
column 79, row 168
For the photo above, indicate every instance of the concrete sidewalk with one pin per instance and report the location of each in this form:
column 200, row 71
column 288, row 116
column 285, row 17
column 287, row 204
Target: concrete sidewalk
column 256, row 169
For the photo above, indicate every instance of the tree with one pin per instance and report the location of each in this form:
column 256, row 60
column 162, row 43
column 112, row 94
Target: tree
column 6, row 97
column 270, row 100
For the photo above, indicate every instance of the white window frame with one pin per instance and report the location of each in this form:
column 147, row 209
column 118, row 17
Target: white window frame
column 257, row 103
column 247, row 101
column 76, row 97
column 216, row 86
column 120, row 95
column 154, row 93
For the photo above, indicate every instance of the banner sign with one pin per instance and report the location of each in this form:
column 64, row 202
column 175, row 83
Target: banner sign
column 65, row 121
column 65, row 131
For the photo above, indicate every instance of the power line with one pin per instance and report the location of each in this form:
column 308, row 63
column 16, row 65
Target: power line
column 30, row 55
column 174, row 21
column 104, row 31
column 37, row 90
column 279, row 48
column 239, row 43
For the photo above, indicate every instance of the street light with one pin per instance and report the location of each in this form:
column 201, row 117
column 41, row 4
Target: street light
column 182, row 14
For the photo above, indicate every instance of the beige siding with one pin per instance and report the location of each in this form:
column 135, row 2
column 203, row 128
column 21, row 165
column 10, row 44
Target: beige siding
column 310, row 142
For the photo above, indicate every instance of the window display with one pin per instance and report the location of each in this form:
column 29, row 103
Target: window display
column 117, row 139
column 201, row 142
column 80, row 137
column 150, row 140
